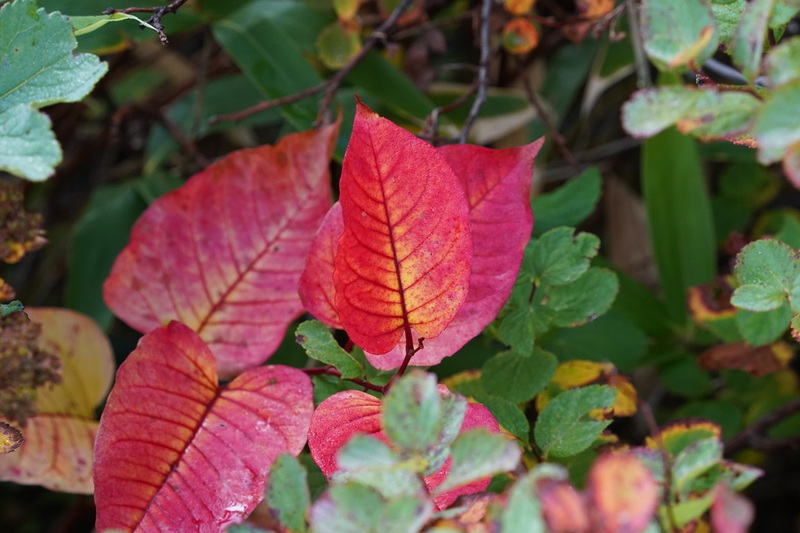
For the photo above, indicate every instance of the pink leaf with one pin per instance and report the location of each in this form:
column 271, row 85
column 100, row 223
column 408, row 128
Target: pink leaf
column 348, row 413
column 316, row 283
column 177, row 452
column 223, row 253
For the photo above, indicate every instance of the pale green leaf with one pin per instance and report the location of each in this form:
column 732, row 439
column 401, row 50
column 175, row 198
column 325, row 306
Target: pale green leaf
column 478, row 454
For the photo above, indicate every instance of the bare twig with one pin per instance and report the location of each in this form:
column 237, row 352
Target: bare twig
column 331, row 371
column 643, row 79
column 483, row 71
column 753, row 435
column 155, row 19
column 432, row 122
column 377, row 36
column 329, row 86
column 558, row 139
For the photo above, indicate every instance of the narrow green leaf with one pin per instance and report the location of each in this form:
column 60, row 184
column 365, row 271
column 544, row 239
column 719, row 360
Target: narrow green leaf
column 256, row 38
column 287, row 492
column 518, row 377
column 478, row 454
column 747, row 44
column 679, row 217
column 88, row 24
column 678, row 33
column 588, row 297
column 560, row 257
column 412, row 413
column 570, row 204
column 564, row 427
column 319, row 344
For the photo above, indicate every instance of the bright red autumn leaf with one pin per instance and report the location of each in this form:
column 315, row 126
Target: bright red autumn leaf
column 622, row 492
column 348, row 413
column 497, row 186
column 403, row 260
column 223, row 253
column 59, row 440
column 175, row 449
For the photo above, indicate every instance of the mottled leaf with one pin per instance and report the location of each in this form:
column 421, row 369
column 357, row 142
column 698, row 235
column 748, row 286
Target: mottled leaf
column 622, row 493
column 175, row 449
column 477, row 454
column 223, row 254
column 59, row 440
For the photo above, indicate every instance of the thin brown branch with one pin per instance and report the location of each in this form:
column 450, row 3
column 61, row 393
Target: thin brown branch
column 483, row 71
column 558, row 139
column 430, row 133
column 377, row 36
column 155, row 19
column 329, row 86
column 753, row 436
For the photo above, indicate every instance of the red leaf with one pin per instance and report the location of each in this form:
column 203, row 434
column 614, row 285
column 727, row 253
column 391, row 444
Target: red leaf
column 497, row 184
column 316, row 282
column 59, row 440
column 175, row 450
column 404, row 258
column 348, row 413
column 731, row 512
column 223, row 253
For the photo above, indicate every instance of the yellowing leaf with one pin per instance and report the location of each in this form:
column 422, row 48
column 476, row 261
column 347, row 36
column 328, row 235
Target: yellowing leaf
column 58, row 448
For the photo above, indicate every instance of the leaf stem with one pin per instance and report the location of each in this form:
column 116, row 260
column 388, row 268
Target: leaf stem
column 331, row 371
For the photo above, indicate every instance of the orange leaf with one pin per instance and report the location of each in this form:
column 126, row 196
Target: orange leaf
column 623, row 494
column 404, row 258
column 223, row 253
column 174, row 449
column 59, row 440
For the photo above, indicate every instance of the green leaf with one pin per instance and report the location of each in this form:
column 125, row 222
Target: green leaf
column 612, row 337
column 679, row 217
column 508, row 415
column 693, row 461
column 368, row 461
column 783, row 63
column 727, row 13
column 319, row 344
column 88, row 24
column 260, row 38
column 559, row 257
column 28, row 147
column 759, row 329
column 10, row 307
column 564, row 427
column 412, row 413
column 518, row 377
column 766, row 270
column 705, row 113
column 287, row 492
column 517, row 329
column 776, row 130
column 38, row 69
column 588, row 297
column 570, row 204
column 678, row 33
column 747, row 44
column 337, row 45
column 682, row 375
column 524, row 510
column 478, row 454
column 353, row 508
